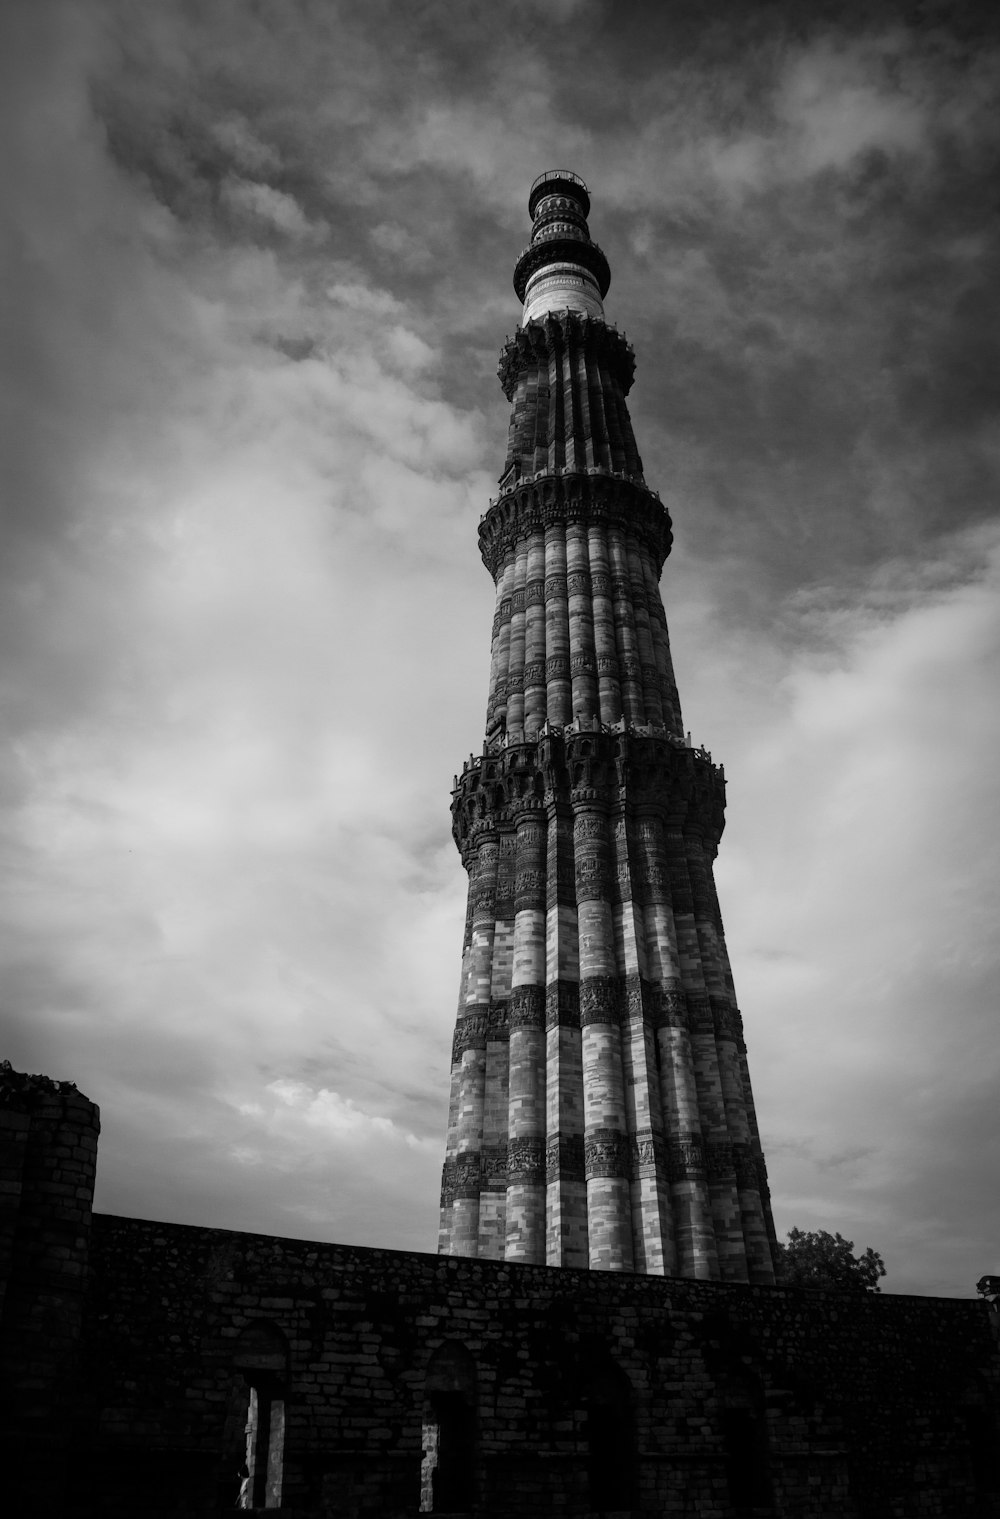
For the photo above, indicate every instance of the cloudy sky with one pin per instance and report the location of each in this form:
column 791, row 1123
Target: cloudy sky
column 257, row 264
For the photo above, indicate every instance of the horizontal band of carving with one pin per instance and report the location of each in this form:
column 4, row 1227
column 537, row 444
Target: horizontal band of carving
column 594, row 772
column 699, row 1014
column 529, row 889
column 534, row 673
column 462, row 1176
column 564, row 1158
column 726, row 1020
column 470, row 1032
column 557, row 667
column 598, row 498
column 649, row 1154
column 685, row 1161
column 719, row 1160
column 592, row 878
column 669, row 1007
column 562, row 1004
column 527, row 1007
column 498, row 1019
column 607, row 1152
column 560, row 330
column 601, row 999
column 526, row 1159
column 745, row 1167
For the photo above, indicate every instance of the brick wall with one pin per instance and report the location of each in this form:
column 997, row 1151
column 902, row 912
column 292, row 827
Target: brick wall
column 704, row 1399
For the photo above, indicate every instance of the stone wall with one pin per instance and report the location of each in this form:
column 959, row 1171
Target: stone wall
column 48, row 1158
column 154, row 1369
column 544, row 1391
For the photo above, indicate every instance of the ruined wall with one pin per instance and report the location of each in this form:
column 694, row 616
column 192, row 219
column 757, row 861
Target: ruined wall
column 159, row 1370
column 48, row 1157
column 575, row 1391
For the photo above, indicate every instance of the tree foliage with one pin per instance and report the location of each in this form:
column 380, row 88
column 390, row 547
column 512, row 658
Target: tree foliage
column 827, row 1260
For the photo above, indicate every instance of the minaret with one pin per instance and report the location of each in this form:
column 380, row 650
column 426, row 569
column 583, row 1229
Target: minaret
column 601, row 1112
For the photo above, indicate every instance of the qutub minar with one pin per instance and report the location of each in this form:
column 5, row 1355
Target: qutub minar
column 601, row 1112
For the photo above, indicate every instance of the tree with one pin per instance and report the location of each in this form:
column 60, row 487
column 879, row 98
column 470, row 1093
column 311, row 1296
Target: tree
column 827, row 1260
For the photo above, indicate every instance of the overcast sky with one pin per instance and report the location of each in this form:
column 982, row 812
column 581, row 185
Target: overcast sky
column 257, row 270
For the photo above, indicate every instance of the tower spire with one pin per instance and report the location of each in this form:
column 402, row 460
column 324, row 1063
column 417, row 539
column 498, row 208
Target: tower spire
column 601, row 1112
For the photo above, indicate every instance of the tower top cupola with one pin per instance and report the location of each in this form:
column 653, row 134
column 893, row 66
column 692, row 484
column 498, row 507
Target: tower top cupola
column 561, row 269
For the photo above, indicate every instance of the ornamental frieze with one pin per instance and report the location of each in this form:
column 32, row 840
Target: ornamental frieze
column 564, row 1159
column 595, row 769
column 719, row 1159
column 526, row 1159
column 699, row 1013
column 648, row 1154
column 498, row 1019
column 470, row 1033
column 562, row 1004
column 593, row 879
column 529, row 889
column 600, row 1000
column 724, row 1018
column 684, row 1159
column 466, row 1174
column 591, row 499
column 607, row 1152
column 527, row 1007
column 745, row 1168
column 669, row 1007
column 493, row 1167
column 636, row 998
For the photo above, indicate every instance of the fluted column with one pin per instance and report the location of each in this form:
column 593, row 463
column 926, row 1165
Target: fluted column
column 471, row 1050
column 534, row 635
column 582, row 659
column 652, row 1240
column 669, row 701
column 606, row 1158
column 558, row 688
column 515, row 669
column 694, row 1239
column 605, row 645
column 493, row 1170
column 628, row 652
column 496, row 708
column 566, row 1191
column 525, row 1226
column 652, row 705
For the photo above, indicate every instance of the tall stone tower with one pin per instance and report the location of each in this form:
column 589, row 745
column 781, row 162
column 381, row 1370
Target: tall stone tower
column 601, row 1112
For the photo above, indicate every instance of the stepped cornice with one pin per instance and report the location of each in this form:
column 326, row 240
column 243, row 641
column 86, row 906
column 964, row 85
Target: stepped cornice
column 534, row 343
column 590, row 768
column 596, row 498
column 559, row 250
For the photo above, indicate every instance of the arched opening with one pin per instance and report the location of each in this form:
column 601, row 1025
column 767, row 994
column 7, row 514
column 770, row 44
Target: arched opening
column 980, row 1427
column 448, row 1466
column 744, row 1443
column 610, row 1437
column 261, row 1356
